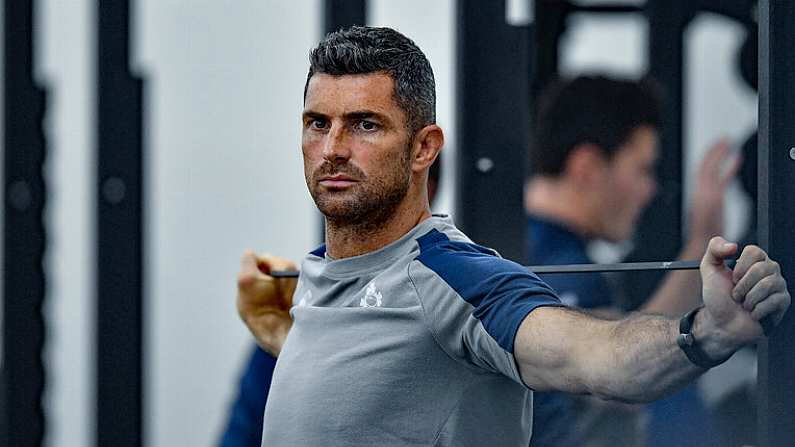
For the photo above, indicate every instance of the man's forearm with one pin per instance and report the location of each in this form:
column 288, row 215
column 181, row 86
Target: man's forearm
column 635, row 359
column 639, row 358
column 645, row 363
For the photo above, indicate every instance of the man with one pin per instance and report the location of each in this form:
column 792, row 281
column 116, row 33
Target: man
column 402, row 331
column 593, row 158
column 244, row 424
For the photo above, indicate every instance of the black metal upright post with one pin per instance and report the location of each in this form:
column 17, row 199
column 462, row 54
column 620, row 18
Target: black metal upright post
column 777, row 211
column 550, row 24
column 493, row 92
column 660, row 226
column 120, row 234
column 343, row 14
column 23, row 234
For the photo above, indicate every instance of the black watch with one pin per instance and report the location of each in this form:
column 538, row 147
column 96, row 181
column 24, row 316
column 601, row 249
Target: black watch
column 689, row 344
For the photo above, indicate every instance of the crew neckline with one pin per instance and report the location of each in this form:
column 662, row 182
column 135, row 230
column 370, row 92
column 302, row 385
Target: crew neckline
column 375, row 260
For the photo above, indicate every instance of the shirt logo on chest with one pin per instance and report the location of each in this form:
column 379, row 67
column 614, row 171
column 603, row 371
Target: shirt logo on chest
column 372, row 297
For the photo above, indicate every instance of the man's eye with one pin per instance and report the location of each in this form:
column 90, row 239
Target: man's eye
column 315, row 123
column 368, row 125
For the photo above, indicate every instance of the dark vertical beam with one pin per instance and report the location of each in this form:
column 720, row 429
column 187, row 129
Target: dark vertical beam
column 23, row 234
column 660, row 227
column 120, row 234
column 777, row 211
column 549, row 26
column 493, row 92
column 343, row 14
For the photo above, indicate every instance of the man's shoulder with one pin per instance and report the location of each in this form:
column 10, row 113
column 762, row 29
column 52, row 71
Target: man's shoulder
column 465, row 265
column 464, row 285
column 451, row 248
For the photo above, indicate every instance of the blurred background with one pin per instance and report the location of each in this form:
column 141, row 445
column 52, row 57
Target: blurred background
column 220, row 167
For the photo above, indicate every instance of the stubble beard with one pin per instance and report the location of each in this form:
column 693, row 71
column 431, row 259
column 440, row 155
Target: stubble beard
column 368, row 204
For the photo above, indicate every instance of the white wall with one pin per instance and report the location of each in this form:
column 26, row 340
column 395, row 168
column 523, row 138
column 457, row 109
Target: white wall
column 65, row 66
column 224, row 86
column 719, row 104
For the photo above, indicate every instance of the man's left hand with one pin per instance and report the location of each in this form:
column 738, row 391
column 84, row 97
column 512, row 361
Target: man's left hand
column 736, row 301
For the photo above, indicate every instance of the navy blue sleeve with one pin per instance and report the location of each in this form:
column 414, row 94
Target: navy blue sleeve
column 244, row 427
column 475, row 301
column 501, row 292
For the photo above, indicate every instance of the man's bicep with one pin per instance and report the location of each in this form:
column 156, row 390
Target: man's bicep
column 558, row 348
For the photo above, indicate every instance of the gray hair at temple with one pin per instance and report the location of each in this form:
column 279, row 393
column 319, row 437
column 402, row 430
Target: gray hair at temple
column 362, row 49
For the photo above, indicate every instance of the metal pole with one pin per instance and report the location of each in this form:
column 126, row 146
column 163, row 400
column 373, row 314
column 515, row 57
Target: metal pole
column 24, row 238
column 120, row 234
column 776, row 390
column 493, row 92
column 341, row 14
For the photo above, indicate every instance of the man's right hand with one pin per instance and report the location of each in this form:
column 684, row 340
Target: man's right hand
column 264, row 302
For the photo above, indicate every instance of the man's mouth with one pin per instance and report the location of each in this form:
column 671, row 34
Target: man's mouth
column 337, row 181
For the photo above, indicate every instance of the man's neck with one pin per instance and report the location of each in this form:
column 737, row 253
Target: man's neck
column 554, row 199
column 345, row 240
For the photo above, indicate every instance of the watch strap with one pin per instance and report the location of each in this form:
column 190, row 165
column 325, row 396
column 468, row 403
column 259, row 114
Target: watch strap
column 688, row 343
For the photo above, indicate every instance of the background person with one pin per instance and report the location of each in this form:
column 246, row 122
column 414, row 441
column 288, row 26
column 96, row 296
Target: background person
column 593, row 158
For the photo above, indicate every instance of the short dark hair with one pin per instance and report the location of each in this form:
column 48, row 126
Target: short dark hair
column 590, row 109
column 363, row 49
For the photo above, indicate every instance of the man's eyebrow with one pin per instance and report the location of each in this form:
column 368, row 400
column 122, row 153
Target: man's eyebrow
column 359, row 114
column 355, row 115
column 312, row 114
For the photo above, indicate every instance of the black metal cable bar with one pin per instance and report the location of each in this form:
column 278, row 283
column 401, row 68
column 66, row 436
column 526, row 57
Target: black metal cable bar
column 579, row 268
column 767, row 323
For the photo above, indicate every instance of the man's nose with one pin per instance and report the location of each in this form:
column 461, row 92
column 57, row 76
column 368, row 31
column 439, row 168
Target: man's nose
column 337, row 147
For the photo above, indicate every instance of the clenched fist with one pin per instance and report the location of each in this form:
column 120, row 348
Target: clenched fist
column 737, row 301
column 264, row 302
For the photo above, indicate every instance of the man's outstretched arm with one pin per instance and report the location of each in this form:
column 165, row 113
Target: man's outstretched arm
column 637, row 358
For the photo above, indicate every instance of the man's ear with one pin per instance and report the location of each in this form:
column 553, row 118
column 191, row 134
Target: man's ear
column 426, row 145
column 586, row 164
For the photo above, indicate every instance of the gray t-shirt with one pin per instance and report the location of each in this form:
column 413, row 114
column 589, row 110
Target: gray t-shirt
column 408, row 345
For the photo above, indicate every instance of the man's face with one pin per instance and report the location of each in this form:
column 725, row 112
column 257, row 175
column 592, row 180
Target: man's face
column 355, row 146
column 628, row 184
